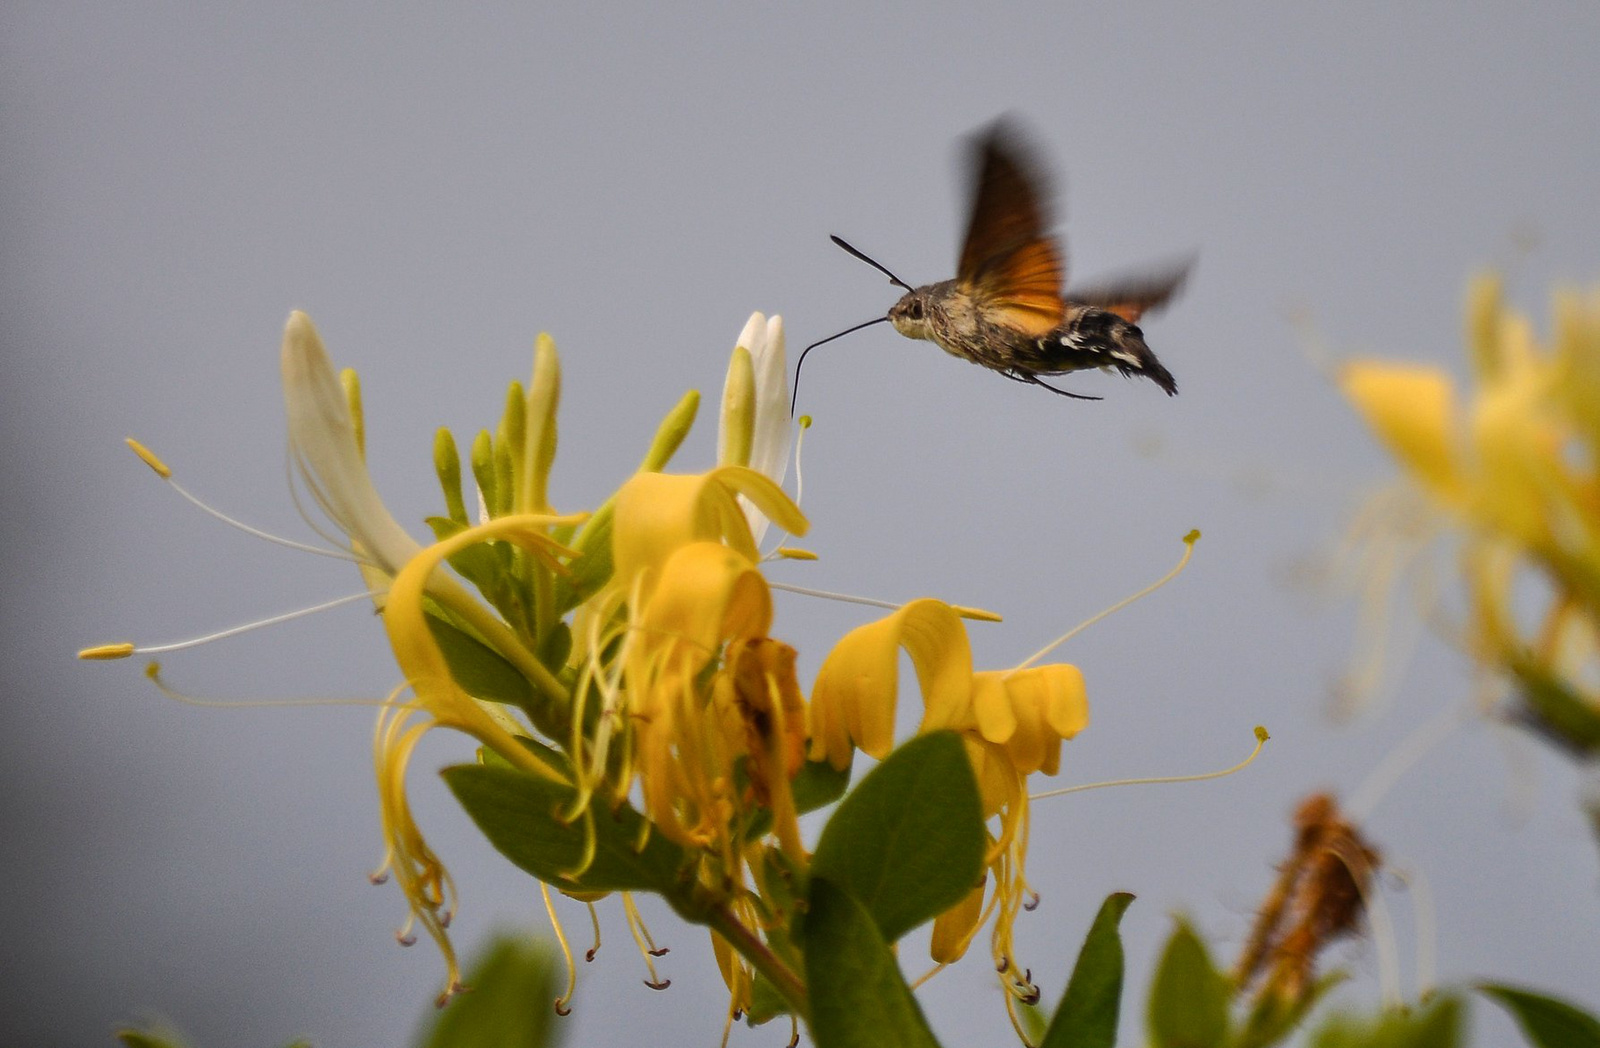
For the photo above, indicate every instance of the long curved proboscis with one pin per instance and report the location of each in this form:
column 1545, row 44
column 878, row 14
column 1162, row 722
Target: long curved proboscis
column 801, row 363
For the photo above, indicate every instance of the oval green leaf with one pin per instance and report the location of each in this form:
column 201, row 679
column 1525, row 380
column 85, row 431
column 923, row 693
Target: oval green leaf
column 908, row 841
column 523, row 818
column 1189, row 997
column 859, row 999
column 1087, row 1014
column 1547, row 1022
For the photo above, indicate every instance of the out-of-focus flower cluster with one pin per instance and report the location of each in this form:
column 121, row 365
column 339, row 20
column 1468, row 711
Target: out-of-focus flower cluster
column 1512, row 468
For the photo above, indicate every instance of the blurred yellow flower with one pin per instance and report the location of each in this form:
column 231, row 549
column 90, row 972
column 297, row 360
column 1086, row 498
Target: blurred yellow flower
column 1514, row 469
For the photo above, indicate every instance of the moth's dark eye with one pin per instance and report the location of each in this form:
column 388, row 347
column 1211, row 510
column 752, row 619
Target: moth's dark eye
column 914, row 309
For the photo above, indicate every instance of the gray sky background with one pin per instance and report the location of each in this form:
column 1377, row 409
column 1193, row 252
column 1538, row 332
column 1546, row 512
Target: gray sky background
column 436, row 188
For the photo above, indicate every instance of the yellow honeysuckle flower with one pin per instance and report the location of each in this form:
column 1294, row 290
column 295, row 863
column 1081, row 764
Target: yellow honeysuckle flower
column 659, row 512
column 853, row 699
column 1011, row 721
column 708, row 595
column 1514, row 466
column 1412, row 409
column 643, row 634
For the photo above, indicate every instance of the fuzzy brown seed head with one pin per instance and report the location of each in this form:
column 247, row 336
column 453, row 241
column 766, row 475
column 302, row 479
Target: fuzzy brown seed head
column 1319, row 897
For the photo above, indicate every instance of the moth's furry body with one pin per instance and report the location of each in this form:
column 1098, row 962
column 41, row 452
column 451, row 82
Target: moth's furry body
column 1088, row 337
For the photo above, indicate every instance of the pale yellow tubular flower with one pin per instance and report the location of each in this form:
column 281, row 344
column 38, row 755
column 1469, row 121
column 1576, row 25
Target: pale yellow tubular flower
column 1577, row 350
column 708, row 595
column 659, row 512
column 771, row 430
column 954, row 929
column 418, row 871
column 322, row 438
column 856, row 690
column 1518, row 446
column 1412, row 410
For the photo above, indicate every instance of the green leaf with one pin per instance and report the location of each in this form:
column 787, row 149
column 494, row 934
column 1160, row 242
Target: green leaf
column 481, row 671
column 1546, row 1022
column 522, row 816
column 591, row 568
column 908, row 841
column 131, row 1038
column 1273, row 1018
column 766, row 1003
column 480, row 565
column 486, row 674
column 1087, row 1014
column 1437, row 1026
column 1556, row 710
column 1189, row 997
column 508, row 1002
column 859, row 999
column 817, row 785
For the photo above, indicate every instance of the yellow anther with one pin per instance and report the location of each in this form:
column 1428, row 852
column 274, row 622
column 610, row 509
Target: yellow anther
column 793, row 553
column 107, row 651
column 149, row 458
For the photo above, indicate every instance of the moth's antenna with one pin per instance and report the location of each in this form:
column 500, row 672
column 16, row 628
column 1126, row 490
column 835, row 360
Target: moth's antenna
column 875, row 320
column 896, row 281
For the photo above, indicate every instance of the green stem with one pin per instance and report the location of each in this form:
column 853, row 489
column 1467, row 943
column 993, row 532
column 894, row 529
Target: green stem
column 762, row 959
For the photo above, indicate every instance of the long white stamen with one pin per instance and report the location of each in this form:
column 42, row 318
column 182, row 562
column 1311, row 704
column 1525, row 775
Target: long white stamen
column 257, row 532
column 392, row 703
column 806, row 591
column 1188, row 551
column 233, row 631
column 1403, row 758
column 290, row 467
column 799, row 442
column 1261, row 740
column 1426, row 924
column 1382, row 933
column 978, row 614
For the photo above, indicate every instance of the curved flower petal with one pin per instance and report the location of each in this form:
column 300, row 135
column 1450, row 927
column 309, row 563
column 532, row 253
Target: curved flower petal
column 657, row 513
column 1412, row 409
column 708, row 594
column 323, row 440
column 853, row 700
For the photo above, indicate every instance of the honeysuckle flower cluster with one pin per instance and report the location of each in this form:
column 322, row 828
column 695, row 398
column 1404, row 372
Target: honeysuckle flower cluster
column 1512, row 470
column 622, row 660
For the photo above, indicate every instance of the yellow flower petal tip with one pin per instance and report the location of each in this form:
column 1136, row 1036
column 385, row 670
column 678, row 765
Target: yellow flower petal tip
column 107, row 651
column 792, row 553
column 149, row 458
column 1261, row 733
column 977, row 614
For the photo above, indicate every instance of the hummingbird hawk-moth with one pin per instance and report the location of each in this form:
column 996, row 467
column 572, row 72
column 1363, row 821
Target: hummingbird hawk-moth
column 1005, row 309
